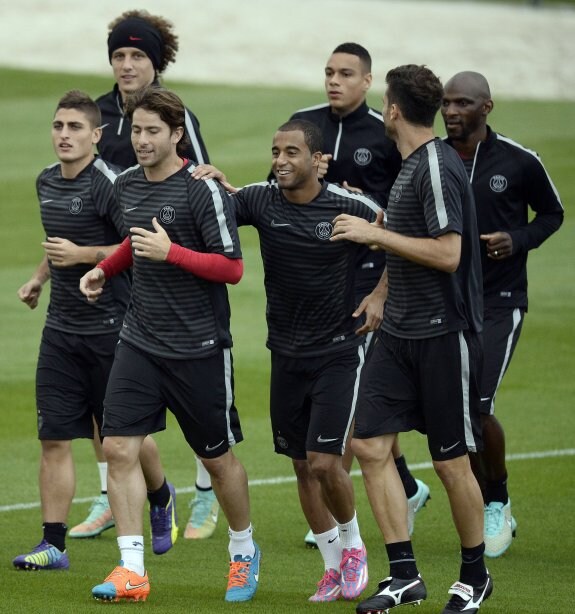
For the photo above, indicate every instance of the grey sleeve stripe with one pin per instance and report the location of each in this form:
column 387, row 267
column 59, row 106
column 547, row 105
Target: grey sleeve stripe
column 332, row 187
column 221, row 217
column 436, row 185
column 194, row 139
column 107, row 172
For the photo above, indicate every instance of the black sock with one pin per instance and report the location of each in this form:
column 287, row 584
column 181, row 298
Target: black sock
column 401, row 560
column 160, row 497
column 55, row 534
column 473, row 569
column 408, row 481
column 496, row 490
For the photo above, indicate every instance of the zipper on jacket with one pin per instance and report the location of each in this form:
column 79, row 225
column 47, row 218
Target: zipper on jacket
column 336, row 148
column 474, row 162
column 121, row 124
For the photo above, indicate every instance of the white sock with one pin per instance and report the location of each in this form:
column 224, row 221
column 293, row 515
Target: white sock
column 349, row 534
column 103, row 471
column 203, row 479
column 242, row 543
column 132, row 552
column 329, row 547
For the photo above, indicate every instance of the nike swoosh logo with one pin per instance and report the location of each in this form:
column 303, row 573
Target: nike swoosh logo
column 47, row 201
column 275, row 224
column 134, row 38
column 131, row 587
column 330, row 541
column 210, row 448
column 320, row 439
column 485, row 399
column 131, row 209
column 445, row 450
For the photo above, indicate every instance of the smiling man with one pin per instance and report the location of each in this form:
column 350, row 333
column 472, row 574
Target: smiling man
column 316, row 340
column 175, row 344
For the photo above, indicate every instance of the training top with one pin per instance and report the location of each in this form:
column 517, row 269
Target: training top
column 84, row 211
column 508, row 179
column 172, row 313
column 309, row 280
column 116, row 144
column 431, row 197
column 365, row 157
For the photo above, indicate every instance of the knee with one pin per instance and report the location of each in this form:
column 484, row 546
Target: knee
column 302, row 470
column 118, row 452
column 375, row 449
column 450, row 472
column 55, row 449
column 324, row 466
column 220, row 466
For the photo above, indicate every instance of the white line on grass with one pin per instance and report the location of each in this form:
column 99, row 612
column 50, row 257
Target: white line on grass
column 291, row 478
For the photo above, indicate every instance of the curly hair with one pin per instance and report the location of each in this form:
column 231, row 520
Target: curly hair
column 163, row 26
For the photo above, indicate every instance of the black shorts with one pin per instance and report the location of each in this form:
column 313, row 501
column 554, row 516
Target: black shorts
column 199, row 392
column 501, row 330
column 429, row 385
column 71, row 379
column 312, row 401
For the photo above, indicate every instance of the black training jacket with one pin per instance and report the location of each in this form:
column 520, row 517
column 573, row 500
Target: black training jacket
column 507, row 181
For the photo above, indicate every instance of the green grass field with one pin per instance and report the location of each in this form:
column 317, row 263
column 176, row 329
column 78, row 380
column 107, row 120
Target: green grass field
column 535, row 403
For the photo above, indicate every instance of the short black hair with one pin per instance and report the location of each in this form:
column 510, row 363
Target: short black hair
column 355, row 49
column 311, row 133
column 75, row 99
column 416, row 91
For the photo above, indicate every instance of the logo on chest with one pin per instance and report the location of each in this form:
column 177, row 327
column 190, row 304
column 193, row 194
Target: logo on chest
column 76, row 205
column 167, row 214
column 498, row 183
column 397, row 193
column 323, row 230
column 362, row 156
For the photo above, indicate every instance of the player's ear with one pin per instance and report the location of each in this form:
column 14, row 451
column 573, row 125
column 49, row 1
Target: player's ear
column 177, row 135
column 367, row 79
column 96, row 135
column 488, row 106
column 316, row 158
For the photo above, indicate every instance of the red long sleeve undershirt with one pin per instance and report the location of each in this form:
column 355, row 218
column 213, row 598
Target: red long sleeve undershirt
column 213, row 267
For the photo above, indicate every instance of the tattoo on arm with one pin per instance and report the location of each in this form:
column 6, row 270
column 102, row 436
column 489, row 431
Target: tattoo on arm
column 100, row 256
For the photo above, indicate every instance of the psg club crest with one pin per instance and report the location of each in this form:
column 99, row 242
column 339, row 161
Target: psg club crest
column 498, row 183
column 362, row 156
column 167, row 214
column 76, row 205
column 323, row 230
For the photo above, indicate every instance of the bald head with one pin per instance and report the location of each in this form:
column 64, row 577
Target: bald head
column 473, row 84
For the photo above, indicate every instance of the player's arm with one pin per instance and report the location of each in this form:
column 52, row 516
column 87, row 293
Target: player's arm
column 65, row 253
column 30, row 292
column 441, row 253
column 92, row 283
column 372, row 306
column 156, row 245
